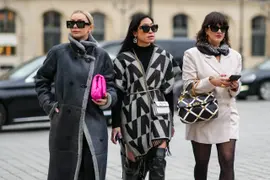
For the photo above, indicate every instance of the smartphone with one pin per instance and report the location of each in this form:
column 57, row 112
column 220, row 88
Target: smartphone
column 234, row 77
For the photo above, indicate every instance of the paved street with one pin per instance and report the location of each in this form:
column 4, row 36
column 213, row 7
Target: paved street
column 24, row 153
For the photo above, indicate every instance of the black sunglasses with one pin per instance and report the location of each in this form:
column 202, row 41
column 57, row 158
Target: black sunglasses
column 79, row 24
column 146, row 28
column 223, row 29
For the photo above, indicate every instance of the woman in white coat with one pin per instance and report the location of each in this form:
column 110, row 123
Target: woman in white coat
column 213, row 61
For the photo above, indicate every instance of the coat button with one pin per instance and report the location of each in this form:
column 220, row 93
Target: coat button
column 71, row 83
column 69, row 111
column 83, row 86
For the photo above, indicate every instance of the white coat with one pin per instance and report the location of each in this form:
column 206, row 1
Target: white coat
column 197, row 65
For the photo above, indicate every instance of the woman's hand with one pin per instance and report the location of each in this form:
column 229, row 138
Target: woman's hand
column 234, row 85
column 101, row 102
column 221, row 81
column 116, row 133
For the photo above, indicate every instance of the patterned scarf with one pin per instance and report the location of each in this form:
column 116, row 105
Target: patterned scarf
column 206, row 48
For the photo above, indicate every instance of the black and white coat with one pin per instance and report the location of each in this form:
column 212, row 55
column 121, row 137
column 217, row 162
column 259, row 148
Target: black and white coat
column 72, row 69
column 138, row 124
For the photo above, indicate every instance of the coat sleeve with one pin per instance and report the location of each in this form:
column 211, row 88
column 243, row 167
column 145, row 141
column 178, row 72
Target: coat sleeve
column 108, row 73
column 190, row 74
column 43, row 80
column 168, row 80
column 167, row 85
column 238, row 71
column 121, row 85
column 120, row 73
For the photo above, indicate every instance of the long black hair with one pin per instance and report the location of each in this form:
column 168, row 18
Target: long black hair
column 213, row 19
column 127, row 44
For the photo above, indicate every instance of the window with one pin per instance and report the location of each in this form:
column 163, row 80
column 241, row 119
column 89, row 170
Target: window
column 99, row 21
column 258, row 36
column 180, row 26
column 7, row 21
column 52, row 29
column 7, row 50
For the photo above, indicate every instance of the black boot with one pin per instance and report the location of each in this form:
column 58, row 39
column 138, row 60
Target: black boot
column 131, row 170
column 157, row 164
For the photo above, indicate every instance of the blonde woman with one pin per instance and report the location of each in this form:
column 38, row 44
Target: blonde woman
column 78, row 139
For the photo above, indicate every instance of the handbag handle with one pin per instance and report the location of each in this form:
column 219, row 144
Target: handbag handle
column 194, row 86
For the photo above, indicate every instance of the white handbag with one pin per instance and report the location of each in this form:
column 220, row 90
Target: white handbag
column 160, row 108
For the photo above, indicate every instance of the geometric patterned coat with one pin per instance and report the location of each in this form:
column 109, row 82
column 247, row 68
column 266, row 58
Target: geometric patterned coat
column 139, row 126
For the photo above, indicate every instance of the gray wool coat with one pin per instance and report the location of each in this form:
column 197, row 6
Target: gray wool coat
column 72, row 70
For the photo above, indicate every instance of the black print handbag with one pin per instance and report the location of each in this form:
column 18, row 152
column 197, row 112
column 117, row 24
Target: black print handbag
column 196, row 107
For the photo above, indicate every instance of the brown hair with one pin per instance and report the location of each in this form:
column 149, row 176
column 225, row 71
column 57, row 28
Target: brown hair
column 213, row 18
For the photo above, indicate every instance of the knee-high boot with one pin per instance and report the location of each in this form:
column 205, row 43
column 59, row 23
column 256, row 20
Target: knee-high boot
column 157, row 164
column 131, row 170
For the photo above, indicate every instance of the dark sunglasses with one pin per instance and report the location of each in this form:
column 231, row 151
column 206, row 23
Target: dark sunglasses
column 223, row 29
column 146, row 28
column 79, row 24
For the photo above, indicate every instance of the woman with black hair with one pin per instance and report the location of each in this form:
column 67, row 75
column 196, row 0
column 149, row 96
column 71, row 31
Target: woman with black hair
column 212, row 62
column 144, row 79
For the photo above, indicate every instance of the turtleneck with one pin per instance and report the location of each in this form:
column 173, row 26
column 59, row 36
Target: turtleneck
column 144, row 54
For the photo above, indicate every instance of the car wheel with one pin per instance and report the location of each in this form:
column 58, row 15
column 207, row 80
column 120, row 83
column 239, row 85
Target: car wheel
column 264, row 90
column 3, row 115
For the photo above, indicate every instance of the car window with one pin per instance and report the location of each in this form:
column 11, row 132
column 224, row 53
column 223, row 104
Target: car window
column 30, row 78
column 176, row 48
column 24, row 69
column 265, row 65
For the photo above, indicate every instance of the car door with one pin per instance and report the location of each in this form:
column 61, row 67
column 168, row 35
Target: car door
column 24, row 106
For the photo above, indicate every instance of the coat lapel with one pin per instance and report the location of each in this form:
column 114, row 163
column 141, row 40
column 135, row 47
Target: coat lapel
column 226, row 63
column 218, row 67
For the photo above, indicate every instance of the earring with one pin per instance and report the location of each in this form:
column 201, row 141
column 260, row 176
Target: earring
column 135, row 40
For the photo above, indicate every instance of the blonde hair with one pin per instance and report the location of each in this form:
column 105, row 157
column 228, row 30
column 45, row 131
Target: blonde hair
column 87, row 14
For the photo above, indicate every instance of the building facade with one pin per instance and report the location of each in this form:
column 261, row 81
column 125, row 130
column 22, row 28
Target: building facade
column 29, row 28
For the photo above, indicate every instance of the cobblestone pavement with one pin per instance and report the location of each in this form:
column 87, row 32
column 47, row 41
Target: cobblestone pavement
column 24, row 150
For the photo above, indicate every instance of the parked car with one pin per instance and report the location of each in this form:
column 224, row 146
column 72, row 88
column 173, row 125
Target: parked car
column 176, row 47
column 256, row 81
column 18, row 98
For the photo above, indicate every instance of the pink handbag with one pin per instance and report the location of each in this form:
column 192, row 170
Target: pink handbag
column 98, row 89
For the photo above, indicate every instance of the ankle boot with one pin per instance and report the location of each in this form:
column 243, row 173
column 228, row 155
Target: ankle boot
column 157, row 164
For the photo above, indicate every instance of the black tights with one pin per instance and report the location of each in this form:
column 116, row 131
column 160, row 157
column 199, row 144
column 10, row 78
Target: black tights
column 202, row 154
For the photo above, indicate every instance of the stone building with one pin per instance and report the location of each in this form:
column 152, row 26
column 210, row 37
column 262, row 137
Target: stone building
column 29, row 28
